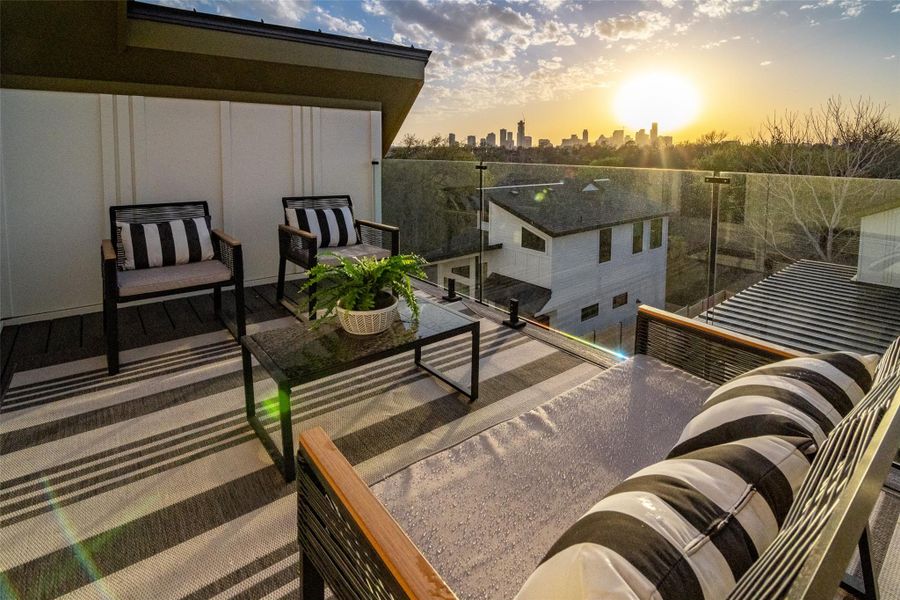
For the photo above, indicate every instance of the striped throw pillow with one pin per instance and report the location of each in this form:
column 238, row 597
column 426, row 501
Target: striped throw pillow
column 685, row 528
column 804, row 397
column 332, row 227
column 146, row 245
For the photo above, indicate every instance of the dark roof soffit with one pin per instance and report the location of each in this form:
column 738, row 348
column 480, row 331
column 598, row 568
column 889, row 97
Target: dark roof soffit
column 177, row 16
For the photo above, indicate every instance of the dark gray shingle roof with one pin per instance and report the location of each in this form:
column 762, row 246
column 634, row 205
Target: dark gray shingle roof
column 565, row 208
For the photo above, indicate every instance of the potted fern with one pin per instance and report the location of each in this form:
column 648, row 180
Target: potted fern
column 363, row 292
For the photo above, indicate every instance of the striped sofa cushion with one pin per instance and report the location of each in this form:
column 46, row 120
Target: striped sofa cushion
column 804, row 397
column 179, row 242
column 682, row 528
column 332, row 227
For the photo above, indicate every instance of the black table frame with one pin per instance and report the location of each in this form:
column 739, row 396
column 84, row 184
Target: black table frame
column 284, row 459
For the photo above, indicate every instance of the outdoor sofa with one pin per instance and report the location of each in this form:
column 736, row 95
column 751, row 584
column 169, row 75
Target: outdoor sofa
column 482, row 509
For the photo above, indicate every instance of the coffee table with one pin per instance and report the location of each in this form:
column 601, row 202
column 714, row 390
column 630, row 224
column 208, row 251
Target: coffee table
column 297, row 354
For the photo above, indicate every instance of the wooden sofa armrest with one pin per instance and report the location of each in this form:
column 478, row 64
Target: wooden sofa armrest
column 707, row 351
column 225, row 238
column 400, row 567
column 297, row 232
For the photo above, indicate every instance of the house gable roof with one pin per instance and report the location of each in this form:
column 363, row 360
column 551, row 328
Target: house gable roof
column 573, row 205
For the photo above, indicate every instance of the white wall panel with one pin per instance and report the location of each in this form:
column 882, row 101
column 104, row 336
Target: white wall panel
column 53, row 200
column 262, row 172
column 344, row 139
column 182, row 153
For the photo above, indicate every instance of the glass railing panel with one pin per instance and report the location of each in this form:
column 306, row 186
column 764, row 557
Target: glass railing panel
column 826, row 251
column 435, row 204
column 581, row 247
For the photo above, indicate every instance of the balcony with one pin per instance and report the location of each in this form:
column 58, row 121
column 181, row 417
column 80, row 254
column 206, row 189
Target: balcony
column 151, row 483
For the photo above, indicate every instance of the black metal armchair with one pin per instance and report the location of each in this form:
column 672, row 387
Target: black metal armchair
column 301, row 247
column 120, row 286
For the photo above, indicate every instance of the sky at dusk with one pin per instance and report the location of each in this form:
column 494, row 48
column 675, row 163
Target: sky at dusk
column 562, row 65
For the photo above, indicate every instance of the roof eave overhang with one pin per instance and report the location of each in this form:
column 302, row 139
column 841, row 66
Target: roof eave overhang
column 132, row 48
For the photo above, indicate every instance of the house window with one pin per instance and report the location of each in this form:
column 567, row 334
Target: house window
column 620, row 300
column 655, row 233
column 462, row 271
column 589, row 312
column 605, row 245
column 532, row 241
column 637, row 237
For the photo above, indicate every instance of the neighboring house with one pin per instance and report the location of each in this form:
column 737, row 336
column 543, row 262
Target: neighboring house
column 879, row 248
column 580, row 255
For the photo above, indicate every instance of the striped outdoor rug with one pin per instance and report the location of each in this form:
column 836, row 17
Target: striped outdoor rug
column 151, row 484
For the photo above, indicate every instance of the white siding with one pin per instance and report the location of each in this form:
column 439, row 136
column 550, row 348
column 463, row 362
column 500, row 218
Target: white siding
column 513, row 260
column 579, row 279
column 67, row 157
column 879, row 248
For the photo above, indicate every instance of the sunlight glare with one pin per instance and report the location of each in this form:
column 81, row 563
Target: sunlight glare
column 664, row 98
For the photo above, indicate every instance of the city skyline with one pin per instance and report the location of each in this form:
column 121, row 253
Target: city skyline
column 566, row 63
column 617, row 137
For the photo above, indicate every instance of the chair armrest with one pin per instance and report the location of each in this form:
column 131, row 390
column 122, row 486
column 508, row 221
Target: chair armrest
column 298, row 246
column 330, row 492
column 225, row 238
column 374, row 225
column 710, row 352
column 381, row 235
column 108, row 269
column 107, row 251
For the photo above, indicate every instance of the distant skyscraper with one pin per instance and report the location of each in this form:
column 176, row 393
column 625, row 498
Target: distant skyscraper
column 641, row 138
column 544, row 143
column 520, row 133
column 602, row 141
column 618, row 138
column 584, row 137
column 509, row 140
column 470, row 141
column 451, row 139
column 491, row 139
column 665, row 141
column 654, row 134
column 503, row 137
column 526, row 141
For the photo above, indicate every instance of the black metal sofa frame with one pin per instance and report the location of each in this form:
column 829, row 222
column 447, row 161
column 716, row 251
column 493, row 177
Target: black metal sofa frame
column 300, row 247
column 350, row 542
column 226, row 250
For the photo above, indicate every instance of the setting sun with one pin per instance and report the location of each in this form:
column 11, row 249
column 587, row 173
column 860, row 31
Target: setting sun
column 666, row 98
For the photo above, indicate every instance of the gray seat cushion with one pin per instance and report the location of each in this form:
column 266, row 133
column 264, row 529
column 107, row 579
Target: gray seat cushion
column 329, row 256
column 164, row 279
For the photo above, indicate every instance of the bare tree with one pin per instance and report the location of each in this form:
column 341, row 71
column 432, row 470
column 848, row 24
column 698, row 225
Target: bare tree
column 826, row 160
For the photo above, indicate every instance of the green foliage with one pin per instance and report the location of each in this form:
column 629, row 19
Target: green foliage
column 365, row 283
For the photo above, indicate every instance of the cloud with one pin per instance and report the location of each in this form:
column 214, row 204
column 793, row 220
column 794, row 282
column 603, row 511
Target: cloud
column 716, row 9
column 338, row 24
column 280, row 12
column 463, row 34
column 668, row 3
column 716, row 44
column 896, row 8
column 890, row 57
column 849, row 8
column 639, row 26
column 765, row 63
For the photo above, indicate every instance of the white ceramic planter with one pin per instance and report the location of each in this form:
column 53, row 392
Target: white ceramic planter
column 367, row 322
